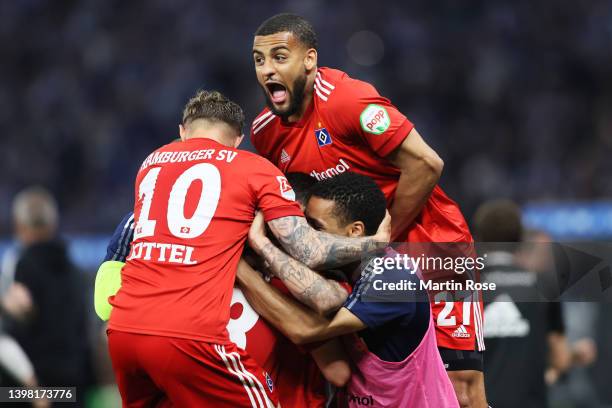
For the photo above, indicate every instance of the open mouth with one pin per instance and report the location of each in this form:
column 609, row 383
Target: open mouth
column 278, row 92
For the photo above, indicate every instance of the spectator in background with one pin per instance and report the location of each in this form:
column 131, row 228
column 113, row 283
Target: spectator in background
column 15, row 366
column 51, row 325
column 519, row 323
column 577, row 389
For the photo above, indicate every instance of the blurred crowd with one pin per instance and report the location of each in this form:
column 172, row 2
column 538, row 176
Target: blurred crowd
column 515, row 96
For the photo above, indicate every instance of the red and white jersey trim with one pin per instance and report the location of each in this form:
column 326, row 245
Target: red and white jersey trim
column 261, row 122
column 322, row 88
column 254, row 388
column 478, row 326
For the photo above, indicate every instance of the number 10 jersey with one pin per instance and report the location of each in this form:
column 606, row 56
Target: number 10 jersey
column 194, row 204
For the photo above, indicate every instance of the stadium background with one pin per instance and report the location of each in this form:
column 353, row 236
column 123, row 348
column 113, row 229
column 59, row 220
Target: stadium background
column 516, row 97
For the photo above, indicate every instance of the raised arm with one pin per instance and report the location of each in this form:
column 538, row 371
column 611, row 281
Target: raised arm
column 300, row 324
column 316, row 249
column 420, row 168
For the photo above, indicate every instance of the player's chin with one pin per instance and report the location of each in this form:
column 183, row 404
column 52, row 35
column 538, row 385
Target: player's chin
column 279, row 109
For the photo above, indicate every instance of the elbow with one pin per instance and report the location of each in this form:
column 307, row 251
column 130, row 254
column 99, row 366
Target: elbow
column 435, row 165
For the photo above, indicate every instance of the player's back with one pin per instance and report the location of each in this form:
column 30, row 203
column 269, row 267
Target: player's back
column 194, row 204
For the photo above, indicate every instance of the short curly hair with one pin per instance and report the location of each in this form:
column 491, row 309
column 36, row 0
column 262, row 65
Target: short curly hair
column 301, row 183
column 214, row 106
column 356, row 198
column 291, row 23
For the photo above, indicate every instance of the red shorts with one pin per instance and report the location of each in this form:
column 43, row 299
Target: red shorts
column 157, row 371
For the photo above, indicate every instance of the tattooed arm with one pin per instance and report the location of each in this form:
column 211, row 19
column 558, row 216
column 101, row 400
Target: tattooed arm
column 322, row 295
column 316, row 249
column 296, row 321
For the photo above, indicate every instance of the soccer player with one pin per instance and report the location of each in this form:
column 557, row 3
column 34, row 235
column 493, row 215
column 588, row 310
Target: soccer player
column 194, row 204
column 321, row 122
column 296, row 375
column 394, row 351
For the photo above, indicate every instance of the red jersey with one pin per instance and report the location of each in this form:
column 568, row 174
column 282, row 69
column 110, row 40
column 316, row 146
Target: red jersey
column 297, row 378
column 348, row 126
column 194, row 204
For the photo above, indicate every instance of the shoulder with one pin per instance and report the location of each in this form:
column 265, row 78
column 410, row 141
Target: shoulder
column 256, row 162
column 261, row 124
column 337, row 88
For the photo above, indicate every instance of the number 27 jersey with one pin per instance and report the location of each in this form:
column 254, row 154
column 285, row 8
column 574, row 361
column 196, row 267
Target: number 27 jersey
column 194, row 204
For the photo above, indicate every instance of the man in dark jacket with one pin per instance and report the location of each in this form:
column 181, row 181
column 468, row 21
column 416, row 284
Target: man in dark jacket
column 52, row 329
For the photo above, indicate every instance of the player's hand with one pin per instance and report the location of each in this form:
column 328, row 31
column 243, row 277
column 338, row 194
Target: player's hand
column 383, row 234
column 257, row 233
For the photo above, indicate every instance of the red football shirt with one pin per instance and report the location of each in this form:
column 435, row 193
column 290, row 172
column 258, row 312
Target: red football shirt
column 297, row 378
column 348, row 126
column 194, row 204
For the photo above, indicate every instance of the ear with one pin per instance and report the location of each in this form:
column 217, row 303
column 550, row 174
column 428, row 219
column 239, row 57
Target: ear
column 310, row 59
column 238, row 141
column 182, row 132
column 355, row 229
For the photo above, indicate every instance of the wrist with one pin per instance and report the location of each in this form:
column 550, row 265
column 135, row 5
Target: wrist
column 259, row 244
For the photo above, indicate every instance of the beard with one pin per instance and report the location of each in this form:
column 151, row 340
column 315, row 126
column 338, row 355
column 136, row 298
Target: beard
column 295, row 100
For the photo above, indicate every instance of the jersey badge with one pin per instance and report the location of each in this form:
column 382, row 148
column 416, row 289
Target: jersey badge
column 285, row 188
column 323, row 137
column 269, row 382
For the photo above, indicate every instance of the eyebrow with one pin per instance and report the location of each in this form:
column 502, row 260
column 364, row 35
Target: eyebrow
column 316, row 224
column 277, row 48
column 280, row 47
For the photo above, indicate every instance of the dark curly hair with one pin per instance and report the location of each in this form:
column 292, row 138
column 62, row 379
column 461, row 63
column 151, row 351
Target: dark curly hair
column 291, row 23
column 301, row 183
column 355, row 197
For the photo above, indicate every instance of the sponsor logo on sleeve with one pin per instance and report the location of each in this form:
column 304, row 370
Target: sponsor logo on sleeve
column 285, row 188
column 375, row 119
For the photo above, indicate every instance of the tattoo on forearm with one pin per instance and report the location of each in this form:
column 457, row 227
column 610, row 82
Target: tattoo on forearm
column 306, row 285
column 319, row 249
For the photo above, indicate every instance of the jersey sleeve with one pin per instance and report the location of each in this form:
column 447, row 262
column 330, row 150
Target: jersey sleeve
column 118, row 248
column 375, row 314
column 273, row 193
column 361, row 111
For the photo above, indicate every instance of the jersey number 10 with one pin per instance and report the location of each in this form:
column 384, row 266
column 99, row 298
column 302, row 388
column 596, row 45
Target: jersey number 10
column 178, row 225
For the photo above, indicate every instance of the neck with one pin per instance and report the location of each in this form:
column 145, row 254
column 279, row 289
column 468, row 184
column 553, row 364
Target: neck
column 217, row 135
column 29, row 236
column 308, row 92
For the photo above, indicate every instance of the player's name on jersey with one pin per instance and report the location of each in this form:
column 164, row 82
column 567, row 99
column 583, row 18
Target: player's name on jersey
column 195, row 155
column 156, row 251
column 404, row 284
